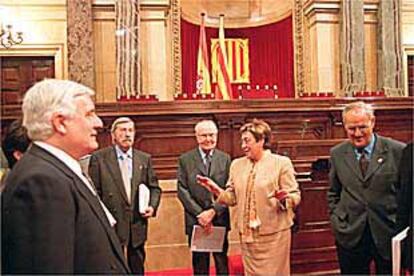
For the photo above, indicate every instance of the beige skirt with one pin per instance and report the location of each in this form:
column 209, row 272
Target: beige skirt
column 267, row 255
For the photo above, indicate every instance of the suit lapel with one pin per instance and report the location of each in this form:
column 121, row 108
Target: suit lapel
column 136, row 175
column 96, row 207
column 199, row 161
column 352, row 162
column 92, row 200
column 215, row 163
column 203, row 193
column 113, row 168
column 377, row 158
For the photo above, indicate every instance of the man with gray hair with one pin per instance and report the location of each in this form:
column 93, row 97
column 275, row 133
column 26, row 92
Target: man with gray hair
column 199, row 206
column 362, row 195
column 53, row 221
column 120, row 174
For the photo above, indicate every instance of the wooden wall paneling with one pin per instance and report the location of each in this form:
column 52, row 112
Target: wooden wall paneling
column 166, row 130
column 313, row 246
column 229, row 137
column 395, row 123
column 410, row 75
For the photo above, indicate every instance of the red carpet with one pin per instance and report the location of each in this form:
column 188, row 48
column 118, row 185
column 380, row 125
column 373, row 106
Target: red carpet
column 235, row 268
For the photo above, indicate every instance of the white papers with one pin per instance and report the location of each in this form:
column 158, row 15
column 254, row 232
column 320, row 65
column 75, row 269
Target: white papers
column 396, row 251
column 207, row 241
column 144, row 197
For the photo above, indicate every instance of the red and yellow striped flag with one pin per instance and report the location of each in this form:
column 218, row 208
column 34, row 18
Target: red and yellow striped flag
column 223, row 88
column 203, row 84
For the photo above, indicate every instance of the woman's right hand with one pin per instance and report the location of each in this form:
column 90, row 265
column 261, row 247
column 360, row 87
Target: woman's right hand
column 209, row 185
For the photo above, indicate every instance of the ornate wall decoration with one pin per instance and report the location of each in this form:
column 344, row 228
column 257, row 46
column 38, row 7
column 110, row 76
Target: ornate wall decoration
column 298, row 47
column 127, row 49
column 390, row 70
column 176, row 45
column 352, row 47
column 80, row 45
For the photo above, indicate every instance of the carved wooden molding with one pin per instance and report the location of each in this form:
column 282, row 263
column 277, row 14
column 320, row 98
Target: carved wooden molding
column 298, row 43
column 390, row 71
column 176, row 45
column 56, row 50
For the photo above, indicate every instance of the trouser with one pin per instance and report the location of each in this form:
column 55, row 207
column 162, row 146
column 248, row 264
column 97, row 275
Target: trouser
column 357, row 260
column 136, row 258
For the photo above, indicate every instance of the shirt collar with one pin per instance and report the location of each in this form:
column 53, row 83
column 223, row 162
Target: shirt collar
column 369, row 148
column 203, row 154
column 72, row 163
column 120, row 154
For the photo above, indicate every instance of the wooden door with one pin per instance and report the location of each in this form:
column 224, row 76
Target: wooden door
column 18, row 74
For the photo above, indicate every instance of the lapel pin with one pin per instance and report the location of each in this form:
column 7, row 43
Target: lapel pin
column 380, row 160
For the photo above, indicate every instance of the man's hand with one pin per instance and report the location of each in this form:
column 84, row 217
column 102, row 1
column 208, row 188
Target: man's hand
column 206, row 217
column 149, row 212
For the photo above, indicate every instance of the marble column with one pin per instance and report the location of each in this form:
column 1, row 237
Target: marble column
column 127, row 49
column 80, row 42
column 390, row 68
column 352, row 47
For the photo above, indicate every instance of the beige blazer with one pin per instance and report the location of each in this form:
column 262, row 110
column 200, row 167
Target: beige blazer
column 273, row 173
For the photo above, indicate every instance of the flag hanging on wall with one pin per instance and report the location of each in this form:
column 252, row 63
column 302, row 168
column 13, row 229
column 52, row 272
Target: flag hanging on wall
column 203, row 85
column 223, row 88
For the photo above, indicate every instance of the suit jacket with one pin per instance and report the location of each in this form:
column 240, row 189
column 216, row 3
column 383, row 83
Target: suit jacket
column 355, row 200
column 273, row 173
column 196, row 198
column 52, row 223
column 405, row 204
column 106, row 174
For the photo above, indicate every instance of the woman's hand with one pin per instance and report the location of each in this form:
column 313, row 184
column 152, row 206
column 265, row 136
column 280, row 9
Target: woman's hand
column 281, row 195
column 209, row 185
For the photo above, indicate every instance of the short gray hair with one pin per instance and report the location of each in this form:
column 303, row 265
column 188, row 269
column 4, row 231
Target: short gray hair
column 367, row 108
column 205, row 123
column 121, row 120
column 44, row 99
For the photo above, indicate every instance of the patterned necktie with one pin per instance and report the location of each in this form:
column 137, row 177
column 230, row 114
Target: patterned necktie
column 125, row 177
column 208, row 164
column 363, row 161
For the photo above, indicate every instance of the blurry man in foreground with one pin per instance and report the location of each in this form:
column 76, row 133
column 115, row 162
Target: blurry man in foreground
column 53, row 222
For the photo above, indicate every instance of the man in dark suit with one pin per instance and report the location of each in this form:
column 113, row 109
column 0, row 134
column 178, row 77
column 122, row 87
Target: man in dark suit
column 200, row 208
column 117, row 172
column 362, row 194
column 53, row 221
column 405, row 206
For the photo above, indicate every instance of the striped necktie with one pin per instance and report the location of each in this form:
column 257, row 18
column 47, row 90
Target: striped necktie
column 125, row 176
column 363, row 161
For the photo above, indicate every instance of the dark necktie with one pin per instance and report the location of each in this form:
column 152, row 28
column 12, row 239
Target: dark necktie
column 363, row 161
column 208, row 164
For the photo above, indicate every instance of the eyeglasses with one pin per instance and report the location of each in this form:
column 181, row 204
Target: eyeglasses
column 207, row 135
column 362, row 129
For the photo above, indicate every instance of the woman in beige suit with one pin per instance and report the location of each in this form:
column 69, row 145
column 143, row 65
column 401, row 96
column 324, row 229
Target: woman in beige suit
column 263, row 188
